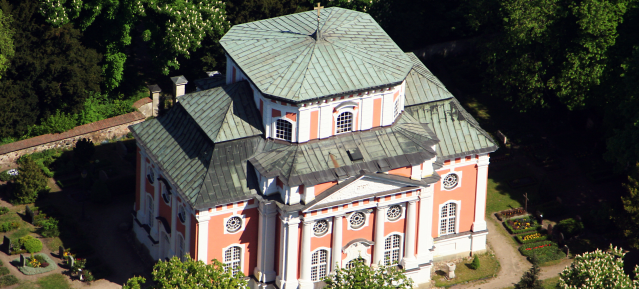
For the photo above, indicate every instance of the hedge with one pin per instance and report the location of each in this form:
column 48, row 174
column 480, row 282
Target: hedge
column 549, row 252
column 535, row 227
column 26, row 270
column 520, row 238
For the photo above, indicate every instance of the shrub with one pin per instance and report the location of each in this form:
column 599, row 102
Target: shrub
column 83, row 151
column 475, row 264
column 545, row 251
column 8, row 280
column 4, row 271
column 570, row 227
column 9, row 226
column 100, row 193
column 30, row 181
column 49, row 227
column 31, row 244
column 5, row 176
column 4, row 210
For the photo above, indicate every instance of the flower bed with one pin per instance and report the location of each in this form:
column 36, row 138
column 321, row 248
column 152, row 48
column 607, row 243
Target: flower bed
column 521, row 225
column 510, row 213
column 28, row 270
column 545, row 251
column 531, row 238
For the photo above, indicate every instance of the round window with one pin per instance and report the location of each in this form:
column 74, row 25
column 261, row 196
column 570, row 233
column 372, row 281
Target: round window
column 357, row 220
column 320, row 227
column 150, row 175
column 450, row 181
column 165, row 194
column 234, row 224
column 394, row 212
column 182, row 214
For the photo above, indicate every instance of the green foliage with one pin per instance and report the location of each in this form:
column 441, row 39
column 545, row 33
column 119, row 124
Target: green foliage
column 174, row 28
column 98, row 107
column 363, row 276
column 5, row 176
column 630, row 220
column 527, row 219
column 49, row 227
column 30, row 181
column 190, row 273
column 570, row 227
column 50, row 71
column 56, row 123
column 8, row 280
column 544, row 251
column 83, row 151
column 6, row 42
column 100, row 193
column 9, row 226
column 4, row 210
column 538, row 236
column 550, row 51
column 4, row 271
column 530, row 279
column 475, row 264
column 31, row 244
column 598, row 269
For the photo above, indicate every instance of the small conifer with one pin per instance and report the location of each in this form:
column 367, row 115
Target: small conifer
column 475, row 264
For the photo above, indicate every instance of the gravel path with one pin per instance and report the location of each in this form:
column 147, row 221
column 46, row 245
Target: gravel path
column 513, row 264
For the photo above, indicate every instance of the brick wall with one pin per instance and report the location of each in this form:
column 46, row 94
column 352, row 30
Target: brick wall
column 97, row 132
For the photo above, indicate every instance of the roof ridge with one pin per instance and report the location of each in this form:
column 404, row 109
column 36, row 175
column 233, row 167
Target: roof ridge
column 302, row 55
column 307, row 67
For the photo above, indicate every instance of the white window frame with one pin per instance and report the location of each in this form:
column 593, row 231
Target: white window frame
column 459, row 180
column 401, row 247
column 344, row 109
column 180, row 251
column 150, row 174
column 366, row 213
column 150, row 210
column 293, row 126
column 242, row 249
column 243, row 217
column 164, row 190
column 327, row 264
column 328, row 231
column 439, row 217
column 402, row 215
column 181, row 206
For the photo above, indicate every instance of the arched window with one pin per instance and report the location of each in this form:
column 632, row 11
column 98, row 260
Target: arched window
column 319, row 262
column 180, row 247
column 344, row 122
column 165, row 193
column 150, row 210
column 233, row 259
column 448, row 219
column 283, row 129
column 351, row 264
column 391, row 250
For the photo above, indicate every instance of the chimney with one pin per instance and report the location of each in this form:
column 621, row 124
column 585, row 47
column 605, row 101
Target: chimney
column 179, row 85
column 155, row 96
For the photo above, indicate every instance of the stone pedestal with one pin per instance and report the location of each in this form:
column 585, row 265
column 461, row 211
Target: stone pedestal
column 451, row 270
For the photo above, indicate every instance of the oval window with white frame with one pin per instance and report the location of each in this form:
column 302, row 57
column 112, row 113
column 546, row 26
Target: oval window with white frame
column 450, row 181
column 233, row 224
column 320, row 228
column 357, row 220
column 394, row 212
column 165, row 194
column 182, row 214
column 150, row 174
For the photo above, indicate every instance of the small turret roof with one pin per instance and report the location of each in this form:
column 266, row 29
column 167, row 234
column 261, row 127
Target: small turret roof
column 283, row 58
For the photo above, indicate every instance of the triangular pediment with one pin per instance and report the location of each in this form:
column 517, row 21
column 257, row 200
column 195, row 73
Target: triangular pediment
column 366, row 186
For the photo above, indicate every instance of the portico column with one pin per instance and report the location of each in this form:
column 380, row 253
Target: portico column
column 337, row 243
column 424, row 232
column 380, row 218
column 480, row 196
column 203, row 236
column 264, row 272
column 409, row 261
column 288, row 252
column 305, row 258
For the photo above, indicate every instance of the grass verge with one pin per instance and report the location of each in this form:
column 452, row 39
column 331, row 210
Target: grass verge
column 489, row 267
column 53, row 281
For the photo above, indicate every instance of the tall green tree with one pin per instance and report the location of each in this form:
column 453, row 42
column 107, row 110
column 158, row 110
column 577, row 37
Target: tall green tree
column 597, row 270
column 530, row 279
column 190, row 274
column 629, row 223
column 173, row 28
column 551, row 51
column 6, row 42
column 51, row 70
column 363, row 276
column 29, row 183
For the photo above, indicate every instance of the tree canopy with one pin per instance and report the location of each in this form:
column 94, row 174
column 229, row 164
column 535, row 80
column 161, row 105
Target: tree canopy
column 363, row 276
column 6, row 42
column 598, row 269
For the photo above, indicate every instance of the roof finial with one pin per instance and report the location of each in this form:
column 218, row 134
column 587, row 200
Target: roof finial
column 317, row 33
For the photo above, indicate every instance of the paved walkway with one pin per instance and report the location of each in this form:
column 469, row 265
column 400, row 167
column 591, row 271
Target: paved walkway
column 513, row 264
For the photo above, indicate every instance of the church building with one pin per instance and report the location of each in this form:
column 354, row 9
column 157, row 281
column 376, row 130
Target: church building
column 322, row 143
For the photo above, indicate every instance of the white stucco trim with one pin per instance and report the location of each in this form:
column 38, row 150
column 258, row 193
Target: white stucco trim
column 293, row 127
column 439, row 216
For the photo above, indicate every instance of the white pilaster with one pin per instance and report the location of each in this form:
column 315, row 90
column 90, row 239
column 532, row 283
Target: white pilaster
column 288, row 251
column 304, row 125
column 187, row 234
column 480, row 196
column 265, row 270
column 174, row 221
column 326, row 121
column 155, row 231
column 308, row 194
column 367, row 113
column 305, row 258
column 416, row 172
column 425, row 240
column 409, row 261
column 380, row 218
column 141, row 174
column 203, row 236
column 388, row 109
column 337, row 243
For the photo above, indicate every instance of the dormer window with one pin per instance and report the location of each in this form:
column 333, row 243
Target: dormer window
column 283, row 129
column 344, row 122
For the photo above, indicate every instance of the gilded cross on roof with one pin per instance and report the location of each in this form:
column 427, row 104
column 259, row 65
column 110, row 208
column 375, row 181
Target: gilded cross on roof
column 318, row 8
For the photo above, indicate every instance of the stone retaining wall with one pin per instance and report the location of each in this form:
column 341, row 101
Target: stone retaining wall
column 115, row 127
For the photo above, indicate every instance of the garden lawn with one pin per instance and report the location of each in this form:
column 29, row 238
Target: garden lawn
column 489, row 266
column 53, row 281
column 498, row 200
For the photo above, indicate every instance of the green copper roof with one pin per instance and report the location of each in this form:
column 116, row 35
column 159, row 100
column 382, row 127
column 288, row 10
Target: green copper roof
column 283, row 59
column 422, row 86
column 224, row 113
column 458, row 132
